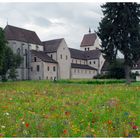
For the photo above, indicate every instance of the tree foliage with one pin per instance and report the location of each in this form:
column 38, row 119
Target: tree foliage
column 9, row 60
column 119, row 31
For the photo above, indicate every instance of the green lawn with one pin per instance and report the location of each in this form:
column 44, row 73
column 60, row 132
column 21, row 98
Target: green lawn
column 47, row 109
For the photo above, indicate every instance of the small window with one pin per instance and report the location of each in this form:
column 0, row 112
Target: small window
column 54, row 68
column 88, row 49
column 31, row 68
column 48, row 68
column 66, row 57
column 94, row 62
column 89, row 62
column 47, row 77
column 34, row 59
column 51, row 56
column 74, row 70
column 85, row 49
column 89, row 72
column 37, row 68
column 85, row 71
column 78, row 70
column 76, row 61
column 61, row 56
column 37, row 48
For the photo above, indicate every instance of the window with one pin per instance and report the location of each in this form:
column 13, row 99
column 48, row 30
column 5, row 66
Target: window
column 85, row 71
column 76, row 61
column 89, row 62
column 31, row 68
column 78, row 70
column 80, row 61
column 53, row 68
column 37, row 68
column 89, row 71
column 37, row 47
column 61, row 56
column 26, row 59
column 88, row 49
column 34, row 59
column 47, row 77
column 66, row 57
column 51, row 56
column 48, row 68
column 18, row 51
column 85, row 49
column 74, row 70
column 94, row 62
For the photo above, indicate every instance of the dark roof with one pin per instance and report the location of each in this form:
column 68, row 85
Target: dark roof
column 19, row 34
column 43, row 56
column 93, row 54
column 52, row 45
column 88, row 40
column 77, row 54
column 84, row 55
column 80, row 66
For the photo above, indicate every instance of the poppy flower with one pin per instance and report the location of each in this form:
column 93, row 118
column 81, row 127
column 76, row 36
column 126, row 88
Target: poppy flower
column 67, row 113
column 27, row 125
column 135, row 127
column 109, row 122
column 65, row 131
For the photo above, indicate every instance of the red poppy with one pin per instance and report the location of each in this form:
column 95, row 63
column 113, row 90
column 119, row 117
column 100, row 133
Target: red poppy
column 67, row 113
column 135, row 127
column 109, row 122
column 65, row 131
column 27, row 125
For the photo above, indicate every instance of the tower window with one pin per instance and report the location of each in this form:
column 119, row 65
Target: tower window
column 34, row 59
column 54, row 68
column 37, row 68
column 66, row 57
column 48, row 68
column 61, row 56
column 85, row 49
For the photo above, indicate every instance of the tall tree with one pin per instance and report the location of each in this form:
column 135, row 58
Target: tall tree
column 119, row 31
column 8, row 60
column 2, row 46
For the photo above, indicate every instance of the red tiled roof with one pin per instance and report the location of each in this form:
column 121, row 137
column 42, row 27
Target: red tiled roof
column 88, row 40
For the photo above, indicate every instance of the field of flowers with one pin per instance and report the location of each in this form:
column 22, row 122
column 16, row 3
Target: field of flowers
column 47, row 109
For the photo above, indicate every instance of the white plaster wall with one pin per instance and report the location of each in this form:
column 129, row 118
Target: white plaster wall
column 23, row 71
column 135, row 70
column 50, row 75
column 82, row 73
column 63, row 64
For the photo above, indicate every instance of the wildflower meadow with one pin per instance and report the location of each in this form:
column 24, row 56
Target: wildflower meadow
column 49, row 109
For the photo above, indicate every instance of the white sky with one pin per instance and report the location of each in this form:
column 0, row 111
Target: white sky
column 53, row 20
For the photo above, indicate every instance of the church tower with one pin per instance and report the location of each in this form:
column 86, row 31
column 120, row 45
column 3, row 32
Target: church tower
column 90, row 41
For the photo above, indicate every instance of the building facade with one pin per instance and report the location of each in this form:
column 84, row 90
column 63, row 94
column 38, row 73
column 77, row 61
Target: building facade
column 53, row 59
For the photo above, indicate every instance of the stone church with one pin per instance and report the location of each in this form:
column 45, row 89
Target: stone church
column 53, row 59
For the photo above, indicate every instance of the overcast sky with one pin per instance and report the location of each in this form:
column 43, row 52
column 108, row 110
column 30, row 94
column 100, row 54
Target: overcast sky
column 53, row 20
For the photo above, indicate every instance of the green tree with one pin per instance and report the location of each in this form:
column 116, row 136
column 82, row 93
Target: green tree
column 119, row 31
column 9, row 60
column 2, row 46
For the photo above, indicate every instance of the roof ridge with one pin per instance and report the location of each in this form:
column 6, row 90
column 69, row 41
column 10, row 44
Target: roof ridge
column 52, row 40
column 20, row 28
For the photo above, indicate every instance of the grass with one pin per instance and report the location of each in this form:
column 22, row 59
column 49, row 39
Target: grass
column 47, row 109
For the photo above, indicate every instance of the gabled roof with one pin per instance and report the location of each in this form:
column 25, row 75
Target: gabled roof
column 51, row 45
column 43, row 56
column 19, row 34
column 85, row 55
column 77, row 54
column 88, row 40
column 80, row 66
